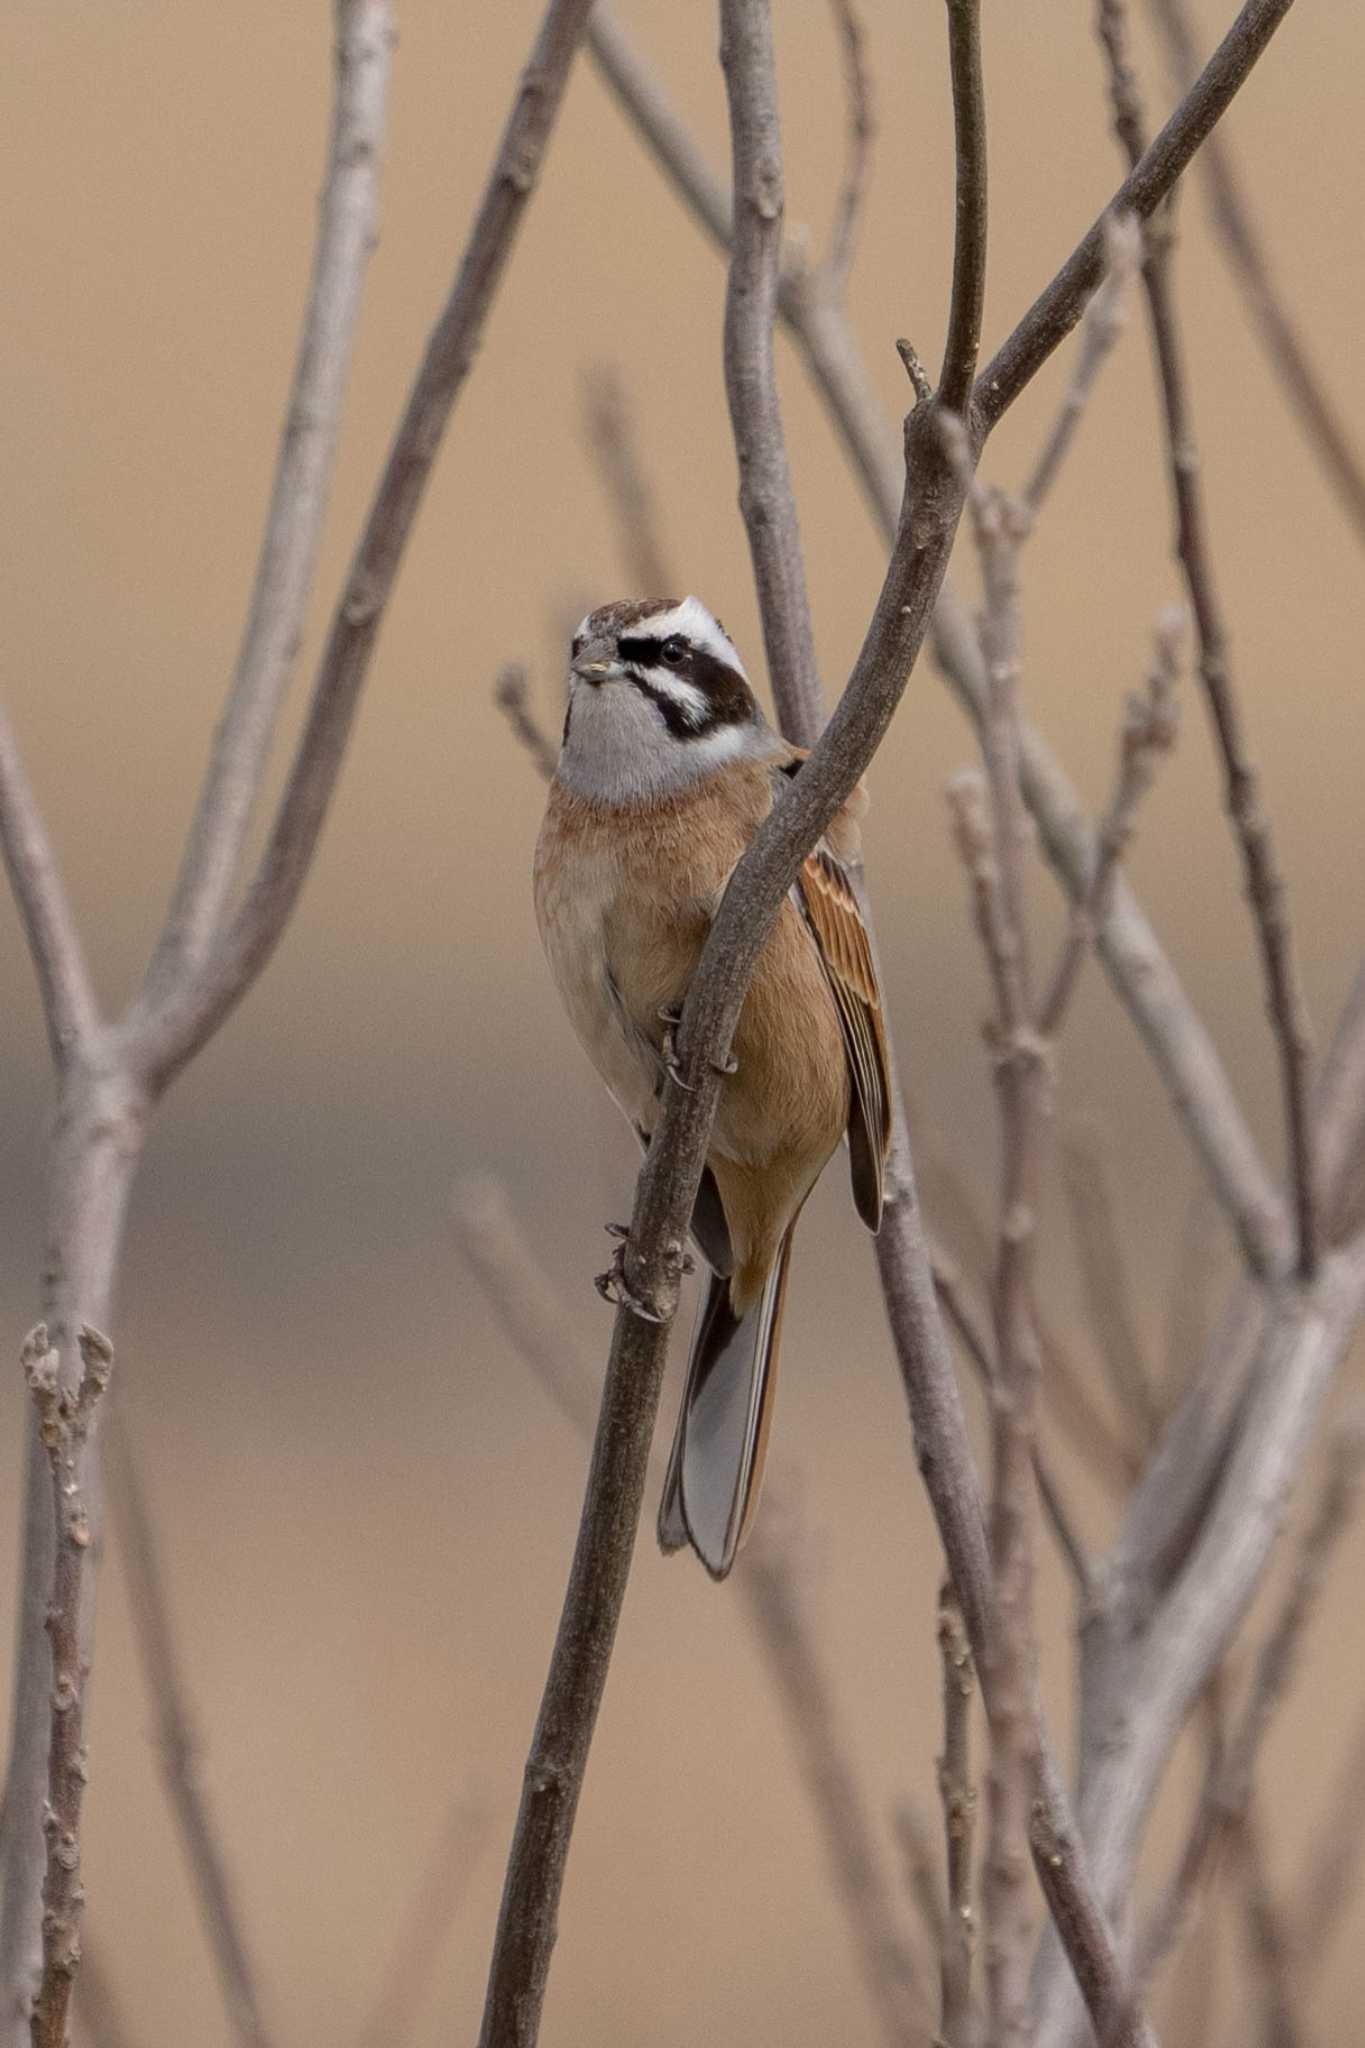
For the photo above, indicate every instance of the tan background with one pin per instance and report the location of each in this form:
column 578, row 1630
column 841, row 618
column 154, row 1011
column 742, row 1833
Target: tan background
column 366, row 1503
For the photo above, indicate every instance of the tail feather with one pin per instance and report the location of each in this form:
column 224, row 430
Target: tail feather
column 716, row 1467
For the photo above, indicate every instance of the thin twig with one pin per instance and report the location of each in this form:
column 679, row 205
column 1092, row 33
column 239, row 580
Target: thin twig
column 963, row 344
column 859, row 131
column 398, row 2003
column 347, row 219
column 1139, row 970
column 69, row 1007
column 512, row 695
column 1065, row 1387
column 65, row 1402
column 1264, row 880
column 1270, row 314
column 957, row 2012
column 979, row 1355
column 612, row 440
column 1105, row 319
column 1148, row 731
column 533, row 1317
column 1228, row 1781
column 765, row 491
column 991, row 841
column 178, row 1741
column 168, row 1036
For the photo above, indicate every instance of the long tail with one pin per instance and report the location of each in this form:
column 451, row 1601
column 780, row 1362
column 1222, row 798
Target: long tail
column 716, row 1467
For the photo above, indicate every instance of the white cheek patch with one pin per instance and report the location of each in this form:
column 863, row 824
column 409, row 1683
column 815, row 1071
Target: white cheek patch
column 691, row 701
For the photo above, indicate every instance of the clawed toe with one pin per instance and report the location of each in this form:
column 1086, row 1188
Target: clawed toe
column 614, row 1287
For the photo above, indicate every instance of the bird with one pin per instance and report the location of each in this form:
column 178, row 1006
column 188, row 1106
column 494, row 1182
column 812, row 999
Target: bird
column 666, row 770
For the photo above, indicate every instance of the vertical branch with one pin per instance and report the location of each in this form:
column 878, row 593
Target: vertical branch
column 1241, row 783
column 968, row 301
column 765, row 490
column 65, row 1406
column 990, row 841
column 347, row 220
column 958, row 2017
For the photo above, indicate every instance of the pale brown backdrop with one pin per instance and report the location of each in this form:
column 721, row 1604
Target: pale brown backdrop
column 367, row 1505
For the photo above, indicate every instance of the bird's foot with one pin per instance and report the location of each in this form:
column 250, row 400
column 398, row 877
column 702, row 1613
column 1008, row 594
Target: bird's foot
column 670, row 1015
column 622, row 1230
column 614, row 1287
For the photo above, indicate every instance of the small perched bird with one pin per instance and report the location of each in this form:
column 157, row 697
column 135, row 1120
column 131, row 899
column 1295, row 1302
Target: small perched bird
column 666, row 770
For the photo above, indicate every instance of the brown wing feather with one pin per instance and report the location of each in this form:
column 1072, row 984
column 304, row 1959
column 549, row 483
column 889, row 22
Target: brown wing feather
column 836, row 923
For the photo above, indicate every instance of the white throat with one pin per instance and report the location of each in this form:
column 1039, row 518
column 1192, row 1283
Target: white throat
column 617, row 749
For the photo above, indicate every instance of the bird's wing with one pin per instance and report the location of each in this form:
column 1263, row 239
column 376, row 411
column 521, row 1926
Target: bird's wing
column 832, row 915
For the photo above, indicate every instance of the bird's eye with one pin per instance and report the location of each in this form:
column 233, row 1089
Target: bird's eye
column 674, row 649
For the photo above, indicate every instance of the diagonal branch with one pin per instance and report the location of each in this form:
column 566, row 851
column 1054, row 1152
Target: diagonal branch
column 365, row 38
column 164, row 1040
column 533, row 1318
column 1057, row 308
column 1138, row 969
column 69, row 1006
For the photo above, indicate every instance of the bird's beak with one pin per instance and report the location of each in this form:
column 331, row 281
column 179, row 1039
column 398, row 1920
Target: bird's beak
column 595, row 662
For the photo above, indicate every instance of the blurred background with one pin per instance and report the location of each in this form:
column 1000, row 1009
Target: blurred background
column 365, row 1500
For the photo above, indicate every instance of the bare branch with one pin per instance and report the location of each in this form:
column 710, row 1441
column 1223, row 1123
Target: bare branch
column 765, row 491
column 398, row 2003
column 860, row 131
column 968, row 300
column 1303, row 389
column 1298, row 1345
column 667, row 1187
column 644, row 100
column 1148, row 731
column 69, row 1007
column 347, row 219
column 65, row 1405
column 1138, row 968
column 166, row 1039
column 611, row 437
column 958, row 2018
column 511, row 694
column 1228, row 1784
column 1056, row 310
column 992, row 843
column 178, row 1741
column 533, row 1318
column 1105, row 319
column 1264, row 880
column 982, row 1361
